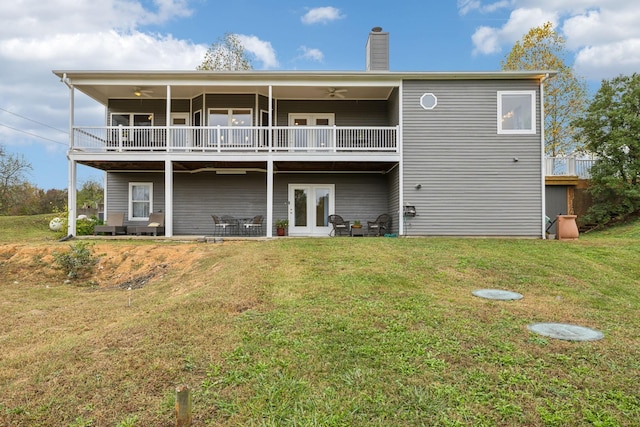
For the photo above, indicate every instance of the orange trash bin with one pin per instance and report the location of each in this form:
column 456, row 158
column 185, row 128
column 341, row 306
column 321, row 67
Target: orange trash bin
column 566, row 227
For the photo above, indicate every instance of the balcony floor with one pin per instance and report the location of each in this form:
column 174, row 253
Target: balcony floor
column 279, row 166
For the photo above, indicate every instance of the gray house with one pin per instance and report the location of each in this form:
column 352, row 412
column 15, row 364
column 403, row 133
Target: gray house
column 464, row 150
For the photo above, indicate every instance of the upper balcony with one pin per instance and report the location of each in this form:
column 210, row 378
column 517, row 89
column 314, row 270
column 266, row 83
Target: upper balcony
column 234, row 139
column 569, row 166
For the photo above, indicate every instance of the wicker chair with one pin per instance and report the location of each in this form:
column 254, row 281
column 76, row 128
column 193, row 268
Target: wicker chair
column 114, row 225
column 380, row 226
column 340, row 226
column 154, row 227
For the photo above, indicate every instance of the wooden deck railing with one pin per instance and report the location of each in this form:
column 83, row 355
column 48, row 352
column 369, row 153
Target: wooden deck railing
column 571, row 166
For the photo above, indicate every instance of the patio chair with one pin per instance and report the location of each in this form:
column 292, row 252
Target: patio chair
column 224, row 225
column 253, row 226
column 380, row 226
column 114, row 225
column 154, row 227
column 340, row 226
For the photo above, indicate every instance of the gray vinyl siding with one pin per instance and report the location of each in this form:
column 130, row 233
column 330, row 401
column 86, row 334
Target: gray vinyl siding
column 198, row 196
column 118, row 192
column 197, row 105
column 394, row 108
column 393, row 206
column 470, row 182
column 347, row 113
column 357, row 196
column 263, row 104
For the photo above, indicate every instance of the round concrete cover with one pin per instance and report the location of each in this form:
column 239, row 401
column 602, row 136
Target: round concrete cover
column 565, row 331
column 497, row 294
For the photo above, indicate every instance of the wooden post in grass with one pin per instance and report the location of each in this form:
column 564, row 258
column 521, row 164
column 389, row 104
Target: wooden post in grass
column 183, row 406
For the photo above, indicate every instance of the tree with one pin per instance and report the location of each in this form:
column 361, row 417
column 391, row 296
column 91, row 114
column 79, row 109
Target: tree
column 12, row 170
column 90, row 195
column 611, row 129
column 565, row 95
column 226, row 54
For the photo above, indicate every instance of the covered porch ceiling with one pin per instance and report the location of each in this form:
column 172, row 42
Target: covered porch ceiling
column 335, row 91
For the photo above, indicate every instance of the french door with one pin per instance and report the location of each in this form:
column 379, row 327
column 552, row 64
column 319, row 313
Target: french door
column 181, row 137
column 309, row 208
column 314, row 137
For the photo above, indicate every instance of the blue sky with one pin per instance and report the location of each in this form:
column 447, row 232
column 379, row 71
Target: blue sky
column 603, row 40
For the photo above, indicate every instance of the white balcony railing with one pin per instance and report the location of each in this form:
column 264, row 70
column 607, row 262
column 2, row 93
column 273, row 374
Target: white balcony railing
column 236, row 138
column 571, row 166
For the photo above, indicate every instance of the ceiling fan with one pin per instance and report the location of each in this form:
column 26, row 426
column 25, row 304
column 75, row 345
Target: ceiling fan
column 333, row 92
column 138, row 91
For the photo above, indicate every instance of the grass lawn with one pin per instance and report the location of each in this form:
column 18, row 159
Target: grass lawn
column 329, row 332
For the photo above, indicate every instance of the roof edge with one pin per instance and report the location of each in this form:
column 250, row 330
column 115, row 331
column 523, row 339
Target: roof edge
column 284, row 75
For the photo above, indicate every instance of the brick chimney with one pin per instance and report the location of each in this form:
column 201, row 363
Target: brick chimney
column 377, row 50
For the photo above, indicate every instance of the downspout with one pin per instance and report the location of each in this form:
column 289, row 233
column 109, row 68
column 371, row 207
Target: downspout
column 542, row 158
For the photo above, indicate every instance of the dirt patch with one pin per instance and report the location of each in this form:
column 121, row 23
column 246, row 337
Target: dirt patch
column 119, row 266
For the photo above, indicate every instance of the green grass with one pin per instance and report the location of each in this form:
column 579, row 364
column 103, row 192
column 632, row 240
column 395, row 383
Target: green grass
column 337, row 332
column 34, row 228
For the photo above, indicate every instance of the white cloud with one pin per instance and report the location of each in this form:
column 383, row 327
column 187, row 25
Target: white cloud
column 26, row 17
column 103, row 50
column 597, row 27
column 38, row 36
column 311, row 54
column 322, row 15
column 609, row 60
column 603, row 36
column 261, row 49
column 489, row 40
column 466, row 6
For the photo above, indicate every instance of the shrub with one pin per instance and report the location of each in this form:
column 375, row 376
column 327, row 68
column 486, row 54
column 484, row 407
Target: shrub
column 78, row 262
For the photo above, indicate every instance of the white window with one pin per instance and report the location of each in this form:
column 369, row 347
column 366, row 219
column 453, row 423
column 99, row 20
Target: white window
column 517, row 112
column 132, row 119
column 140, row 200
column 428, row 101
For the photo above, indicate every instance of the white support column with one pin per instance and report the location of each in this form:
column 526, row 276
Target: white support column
column 269, row 198
column 72, row 109
column 270, row 112
column 72, row 184
column 168, row 198
column 71, row 198
column 169, row 137
column 105, row 186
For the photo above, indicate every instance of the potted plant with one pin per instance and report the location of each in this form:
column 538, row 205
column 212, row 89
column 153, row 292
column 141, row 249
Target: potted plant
column 357, row 224
column 281, row 226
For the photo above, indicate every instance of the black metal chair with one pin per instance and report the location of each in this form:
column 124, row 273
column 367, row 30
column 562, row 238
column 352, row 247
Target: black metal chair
column 254, row 226
column 224, row 225
column 340, row 226
column 380, row 226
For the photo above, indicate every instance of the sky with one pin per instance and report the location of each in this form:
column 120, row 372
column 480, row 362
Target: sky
column 36, row 37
